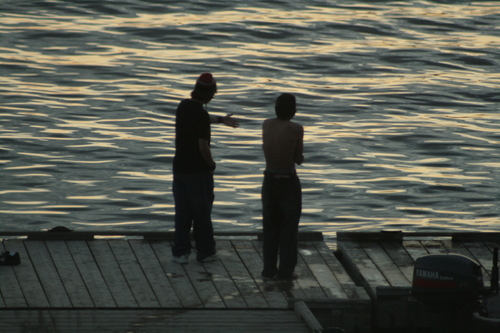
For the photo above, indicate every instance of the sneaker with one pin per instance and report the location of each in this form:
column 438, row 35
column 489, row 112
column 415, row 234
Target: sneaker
column 184, row 259
column 213, row 257
column 9, row 258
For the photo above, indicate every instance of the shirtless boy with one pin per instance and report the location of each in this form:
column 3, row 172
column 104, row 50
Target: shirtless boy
column 281, row 189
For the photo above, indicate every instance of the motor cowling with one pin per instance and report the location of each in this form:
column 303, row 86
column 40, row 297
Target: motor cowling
column 445, row 279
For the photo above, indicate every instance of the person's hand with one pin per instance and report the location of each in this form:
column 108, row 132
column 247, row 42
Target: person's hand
column 300, row 160
column 228, row 121
column 212, row 168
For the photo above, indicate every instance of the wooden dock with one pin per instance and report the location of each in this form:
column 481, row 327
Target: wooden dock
column 382, row 262
column 81, row 283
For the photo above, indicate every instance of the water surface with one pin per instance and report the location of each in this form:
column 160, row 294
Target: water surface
column 399, row 101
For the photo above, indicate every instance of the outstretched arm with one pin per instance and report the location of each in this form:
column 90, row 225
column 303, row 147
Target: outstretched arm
column 226, row 120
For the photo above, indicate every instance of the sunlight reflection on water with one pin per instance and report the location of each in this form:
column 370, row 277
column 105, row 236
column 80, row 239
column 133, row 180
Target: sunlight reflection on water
column 398, row 101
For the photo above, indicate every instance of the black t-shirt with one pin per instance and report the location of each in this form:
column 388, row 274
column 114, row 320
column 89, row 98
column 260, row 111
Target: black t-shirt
column 192, row 123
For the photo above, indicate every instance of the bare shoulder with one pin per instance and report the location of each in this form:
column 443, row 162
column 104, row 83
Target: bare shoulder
column 297, row 127
column 269, row 124
column 269, row 121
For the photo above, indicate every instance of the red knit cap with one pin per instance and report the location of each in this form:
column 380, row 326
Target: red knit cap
column 206, row 79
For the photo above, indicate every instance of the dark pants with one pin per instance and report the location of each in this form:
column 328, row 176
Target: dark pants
column 281, row 209
column 194, row 197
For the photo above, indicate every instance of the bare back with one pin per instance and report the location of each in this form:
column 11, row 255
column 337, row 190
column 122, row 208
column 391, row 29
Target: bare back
column 282, row 143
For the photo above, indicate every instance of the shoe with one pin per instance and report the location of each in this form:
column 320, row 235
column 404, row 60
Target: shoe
column 10, row 258
column 184, row 259
column 213, row 257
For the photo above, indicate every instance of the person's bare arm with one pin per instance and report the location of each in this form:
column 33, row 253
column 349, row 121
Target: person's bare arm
column 226, row 120
column 299, row 148
column 205, row 151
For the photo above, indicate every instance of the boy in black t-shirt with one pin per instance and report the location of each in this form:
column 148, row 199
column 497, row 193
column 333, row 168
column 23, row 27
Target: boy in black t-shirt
column 193, row 167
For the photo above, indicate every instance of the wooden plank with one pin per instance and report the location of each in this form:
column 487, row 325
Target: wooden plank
column 455, row 247
column 393, row 235
column 272, row 292
column 434, row 247
column 133, row 273
column 26, row 276
column 303, row 311
column 415, row 249
column 90, row 273
column 385, row 264
column 147, row 235
column 177, row 276
column 45, row 236
column 360, row 236
column 350, row 288
column 306, row 279
column 482, row 254
column 291, row 289
column 241, row 277
column 165, row 293
column 476, row 236
column 149, row 320
column 251, row 268
column 400, row 257
column 491, row 245
column 361, row 267
column 302, row 236
column 112, row 273
column 398, row 235
column 222, row 280
column 202, row 283
column 69, row 274
column 10, row 289
column 47, row 273
column 322, row 273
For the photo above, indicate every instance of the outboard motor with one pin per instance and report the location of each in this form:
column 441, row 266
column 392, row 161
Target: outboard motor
column 451, row 287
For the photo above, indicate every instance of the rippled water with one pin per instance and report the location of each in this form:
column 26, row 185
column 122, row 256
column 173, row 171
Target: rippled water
column 399, row 101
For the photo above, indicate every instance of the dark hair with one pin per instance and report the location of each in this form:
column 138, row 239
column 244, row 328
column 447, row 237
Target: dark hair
column 285, row 106
column 203, row 92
